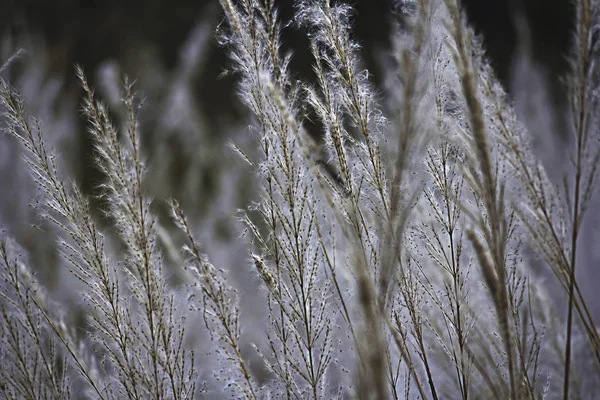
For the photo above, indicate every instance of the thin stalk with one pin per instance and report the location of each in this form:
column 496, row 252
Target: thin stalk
column 583, row 67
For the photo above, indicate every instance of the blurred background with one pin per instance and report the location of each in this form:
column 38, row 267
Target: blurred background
column 191, row 110
column 134, row 33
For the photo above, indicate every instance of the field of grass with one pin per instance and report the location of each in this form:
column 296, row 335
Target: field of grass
column 416, row 248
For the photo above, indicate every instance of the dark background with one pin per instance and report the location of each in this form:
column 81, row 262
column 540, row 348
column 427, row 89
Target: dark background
column 88, row 32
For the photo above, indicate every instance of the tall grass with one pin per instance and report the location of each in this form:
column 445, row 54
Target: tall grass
column 398, row 268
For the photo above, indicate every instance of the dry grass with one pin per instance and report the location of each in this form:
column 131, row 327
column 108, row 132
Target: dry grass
column 401, row 277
